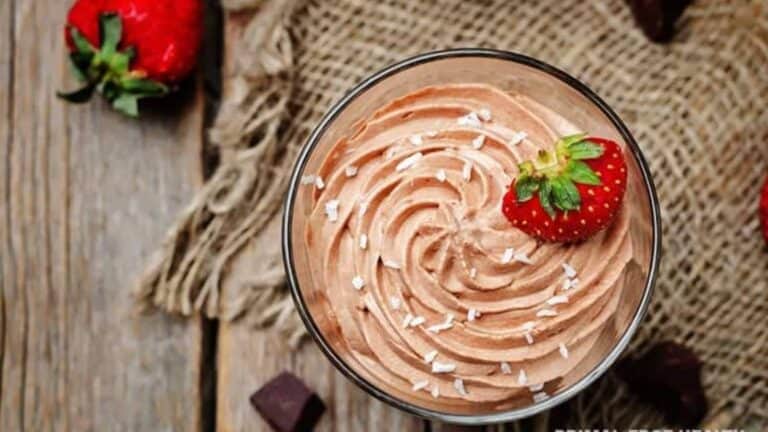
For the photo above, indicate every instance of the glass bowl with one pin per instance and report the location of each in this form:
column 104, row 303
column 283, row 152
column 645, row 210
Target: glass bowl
column 515, row 74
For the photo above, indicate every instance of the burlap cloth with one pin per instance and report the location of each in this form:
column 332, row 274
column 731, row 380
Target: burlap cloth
column 696, row 106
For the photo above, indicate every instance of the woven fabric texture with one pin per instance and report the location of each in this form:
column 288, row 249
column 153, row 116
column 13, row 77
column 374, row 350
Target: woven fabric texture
column 698, row 107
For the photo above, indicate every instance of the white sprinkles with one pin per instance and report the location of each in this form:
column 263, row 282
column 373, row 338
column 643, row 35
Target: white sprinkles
column 420, row 385
column 358, row 283
column 408, row 162
column 438, row 367
column 517, row 138
column 478, row 142
column 332, row 210
column 458, row 384
column 466, row 171
column 363, row 241
column 470, row 119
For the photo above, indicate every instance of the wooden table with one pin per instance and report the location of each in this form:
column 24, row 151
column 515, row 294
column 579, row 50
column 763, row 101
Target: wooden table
column 85, row 196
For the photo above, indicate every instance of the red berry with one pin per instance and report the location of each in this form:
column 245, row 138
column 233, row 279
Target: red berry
column 582, row 185
column 764, row 210
column 157, row 45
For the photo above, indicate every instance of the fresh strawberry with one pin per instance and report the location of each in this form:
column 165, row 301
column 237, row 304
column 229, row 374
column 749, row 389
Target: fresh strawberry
column 571, row 193
column 764, row 210
column 132, row 49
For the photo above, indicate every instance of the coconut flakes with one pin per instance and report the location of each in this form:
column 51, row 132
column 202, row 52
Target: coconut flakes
column 558, row 299
column 394, row 303
column 570, row 272
column 420, row 385
column 471, row 314
column 458, row 384
column 517, row 138
column 407, row 320
column 466, row 171
column 358, row 283
column 478, row 142
column 438, row 367
column 509, row 253
column 332, row 210
column 546, row 313
column 470, row 119
column 417, row 321
column 408, row 162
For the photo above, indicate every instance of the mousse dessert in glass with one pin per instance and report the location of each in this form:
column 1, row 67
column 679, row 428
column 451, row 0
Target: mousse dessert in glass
column 461, row 244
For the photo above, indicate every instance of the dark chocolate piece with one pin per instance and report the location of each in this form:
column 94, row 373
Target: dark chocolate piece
column 668, row 376
column 287, row 404
column 657, row 18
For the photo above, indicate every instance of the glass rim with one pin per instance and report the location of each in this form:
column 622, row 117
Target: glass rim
column 512, row 414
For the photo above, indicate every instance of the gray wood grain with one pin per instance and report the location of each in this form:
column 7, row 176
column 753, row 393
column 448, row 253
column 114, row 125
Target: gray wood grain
column 86, row 196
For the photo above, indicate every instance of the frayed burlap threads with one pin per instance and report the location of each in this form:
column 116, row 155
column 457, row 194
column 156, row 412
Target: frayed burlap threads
column 243, row 195
column 698, row 107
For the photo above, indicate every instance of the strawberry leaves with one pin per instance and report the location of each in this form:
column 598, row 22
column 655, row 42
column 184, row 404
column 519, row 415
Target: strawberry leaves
column 526, row 186
column 108, row 69
column 580, row 172
column 554, row 175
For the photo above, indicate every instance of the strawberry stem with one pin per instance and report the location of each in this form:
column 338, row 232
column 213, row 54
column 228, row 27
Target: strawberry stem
column 552, row 175
column 108, row 69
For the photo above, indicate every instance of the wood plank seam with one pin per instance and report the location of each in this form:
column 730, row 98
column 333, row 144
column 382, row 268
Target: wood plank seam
column 10, row 250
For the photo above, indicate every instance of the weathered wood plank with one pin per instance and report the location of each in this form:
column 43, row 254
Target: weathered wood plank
column 86, row 196
column 6, row 98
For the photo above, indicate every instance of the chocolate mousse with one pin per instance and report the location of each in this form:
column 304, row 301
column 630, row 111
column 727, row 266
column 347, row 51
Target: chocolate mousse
column 440, row 301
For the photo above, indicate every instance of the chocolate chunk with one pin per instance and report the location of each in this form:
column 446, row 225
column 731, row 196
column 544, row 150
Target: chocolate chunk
column 657, row 18
column 287, row 404
column 668, row 376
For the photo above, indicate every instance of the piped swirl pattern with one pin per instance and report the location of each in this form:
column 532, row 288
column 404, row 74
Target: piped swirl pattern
column 439, row 300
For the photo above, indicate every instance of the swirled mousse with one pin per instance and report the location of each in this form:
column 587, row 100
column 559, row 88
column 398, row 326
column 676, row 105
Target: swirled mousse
column 438, row 299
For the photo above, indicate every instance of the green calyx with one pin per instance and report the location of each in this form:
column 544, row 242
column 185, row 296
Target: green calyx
column 553, row 175
column 107, row 70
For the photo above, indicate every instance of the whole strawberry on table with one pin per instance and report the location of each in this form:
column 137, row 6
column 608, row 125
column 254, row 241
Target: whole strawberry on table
column 132, row 49
column 569, row 193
